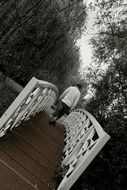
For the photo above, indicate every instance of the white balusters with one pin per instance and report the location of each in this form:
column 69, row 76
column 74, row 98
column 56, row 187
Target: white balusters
column 84, row 140
column 84, row 137
column 35, row 97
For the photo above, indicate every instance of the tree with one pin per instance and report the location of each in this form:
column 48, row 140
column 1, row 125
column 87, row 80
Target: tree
column 37, row 40
column 109, row 104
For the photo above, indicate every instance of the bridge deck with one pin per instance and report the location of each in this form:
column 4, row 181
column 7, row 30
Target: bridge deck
column 29, row 155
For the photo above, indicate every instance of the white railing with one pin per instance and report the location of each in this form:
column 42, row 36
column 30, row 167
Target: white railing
column 35, row 97
column 84, row 138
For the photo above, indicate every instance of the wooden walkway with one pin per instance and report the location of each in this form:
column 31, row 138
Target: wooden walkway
column 29, row 155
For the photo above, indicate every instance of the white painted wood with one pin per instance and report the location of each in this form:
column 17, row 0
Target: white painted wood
column 84, row 140
column 36, row 96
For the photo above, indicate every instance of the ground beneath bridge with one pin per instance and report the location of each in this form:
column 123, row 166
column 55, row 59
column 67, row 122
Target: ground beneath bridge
column 29, row 155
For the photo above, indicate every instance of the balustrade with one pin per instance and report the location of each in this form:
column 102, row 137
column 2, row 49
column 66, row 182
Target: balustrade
column 35, row 97
column 84, row 138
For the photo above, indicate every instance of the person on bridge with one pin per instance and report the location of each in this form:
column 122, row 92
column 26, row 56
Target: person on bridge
column 66, row 102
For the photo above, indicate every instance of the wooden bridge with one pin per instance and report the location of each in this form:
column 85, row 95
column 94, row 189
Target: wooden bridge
column 31, row 150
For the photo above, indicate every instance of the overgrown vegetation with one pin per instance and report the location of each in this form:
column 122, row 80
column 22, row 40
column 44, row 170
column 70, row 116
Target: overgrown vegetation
column 109, row 103
column 7, row 96
column 37, row 38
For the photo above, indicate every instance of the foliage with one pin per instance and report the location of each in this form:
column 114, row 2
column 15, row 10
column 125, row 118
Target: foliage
column 109, row 103
column 37, row 38
column 8, row 95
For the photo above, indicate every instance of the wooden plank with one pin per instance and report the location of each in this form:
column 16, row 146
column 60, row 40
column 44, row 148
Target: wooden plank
column 31, row 152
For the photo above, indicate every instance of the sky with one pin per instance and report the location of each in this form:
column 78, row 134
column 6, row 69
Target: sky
column 85, row 51
column 86, row 48
column 83, row 43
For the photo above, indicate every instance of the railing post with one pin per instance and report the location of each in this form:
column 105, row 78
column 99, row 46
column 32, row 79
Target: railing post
column 35, row 97
column 24, row 93
column 84, row 140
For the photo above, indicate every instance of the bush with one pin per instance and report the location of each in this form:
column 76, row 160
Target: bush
column 7, row 96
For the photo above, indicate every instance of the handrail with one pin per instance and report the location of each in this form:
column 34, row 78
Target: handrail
column 37, row 96
column 97, row 126
column 84, row 138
